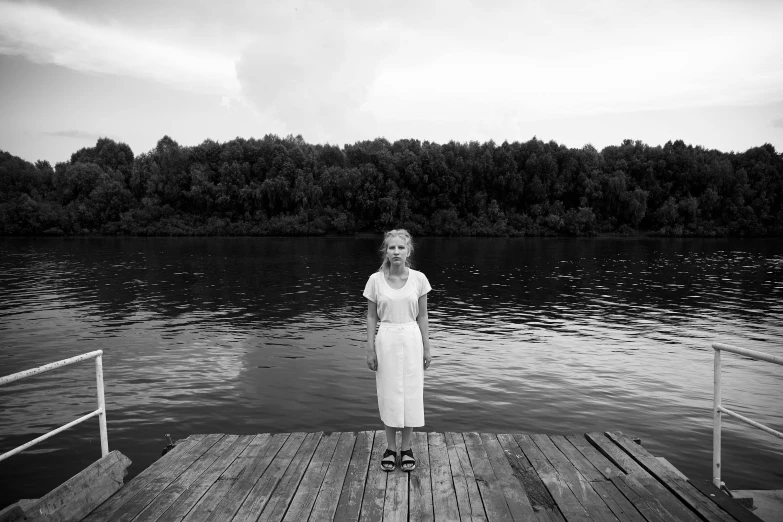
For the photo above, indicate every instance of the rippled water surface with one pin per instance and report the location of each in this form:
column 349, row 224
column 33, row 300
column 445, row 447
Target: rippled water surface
column 250, row 335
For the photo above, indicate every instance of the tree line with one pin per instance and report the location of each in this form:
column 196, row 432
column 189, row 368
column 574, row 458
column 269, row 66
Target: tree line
column 286, row 186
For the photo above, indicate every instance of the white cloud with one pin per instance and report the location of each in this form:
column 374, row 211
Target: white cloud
column 45, row 35
column 313, row 73
column 543, row 60
column 346, row 70
column 79, row 135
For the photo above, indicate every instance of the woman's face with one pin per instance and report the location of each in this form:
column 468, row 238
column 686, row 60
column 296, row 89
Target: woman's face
column 397, row 251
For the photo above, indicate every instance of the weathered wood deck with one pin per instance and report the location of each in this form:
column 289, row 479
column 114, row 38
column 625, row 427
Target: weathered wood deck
column 459, row 476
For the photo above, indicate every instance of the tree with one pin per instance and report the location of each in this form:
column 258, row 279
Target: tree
column 285, row 185
column 107, row 154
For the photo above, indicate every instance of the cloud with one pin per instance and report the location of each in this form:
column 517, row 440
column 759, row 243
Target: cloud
column 778, row 122
column 561, row 59
column 314, row 73
column 44, row 35
column 309, row 66
column 351, row 69
column 79, row 134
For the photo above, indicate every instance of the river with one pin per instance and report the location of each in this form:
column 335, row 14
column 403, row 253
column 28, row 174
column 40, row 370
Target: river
column 251, row 335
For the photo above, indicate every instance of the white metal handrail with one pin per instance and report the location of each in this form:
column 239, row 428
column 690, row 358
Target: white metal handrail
column 100, row 412
column 718, row 409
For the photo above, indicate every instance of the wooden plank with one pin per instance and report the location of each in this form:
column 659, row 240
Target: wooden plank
column 651, row 508
column 170, row 465
column 726, row 503
column 682, row 489
column 213, row 497
column 622, row 508
column 305, row 495
column 259, row 494
column 581, row 487
column 542, row 502
column 12, row 513
column 420, row 494
column 638, row 477
column 462, row 486
column 605, row 466
column 565, row 499
column 82, row 493
column 236, row 496
column 491, row 492
column 469, row 502
column 655, row 494
column 328, row 496
column 612, row 497
column 671, row 467
column 395, row 507
column 673, row 504
column 188, row 495
column 575, row 457
column 516, row 498
column 170, row 484
column 350, row 503
column 198, row 480
column 444, row 498
column 375, row 487
column 279, row 501
column 16, row 511
column 615, row 454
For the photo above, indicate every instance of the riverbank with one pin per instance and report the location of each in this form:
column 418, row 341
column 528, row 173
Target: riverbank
column 253, row 230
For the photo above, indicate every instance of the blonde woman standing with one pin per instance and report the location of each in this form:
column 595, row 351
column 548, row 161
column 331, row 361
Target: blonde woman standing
column 400, row 352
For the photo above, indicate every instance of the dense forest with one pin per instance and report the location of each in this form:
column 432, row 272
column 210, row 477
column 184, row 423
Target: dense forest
column 285, row 186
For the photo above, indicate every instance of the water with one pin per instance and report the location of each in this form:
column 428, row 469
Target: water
column 250, row 335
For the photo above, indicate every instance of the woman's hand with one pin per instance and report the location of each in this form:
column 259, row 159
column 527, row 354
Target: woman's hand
column 427, row 359
column 372, row 360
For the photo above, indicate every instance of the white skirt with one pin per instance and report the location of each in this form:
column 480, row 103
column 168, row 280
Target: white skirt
column 400, row 375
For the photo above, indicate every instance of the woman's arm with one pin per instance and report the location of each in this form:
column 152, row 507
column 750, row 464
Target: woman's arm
column 424, row 326
column 372, row 323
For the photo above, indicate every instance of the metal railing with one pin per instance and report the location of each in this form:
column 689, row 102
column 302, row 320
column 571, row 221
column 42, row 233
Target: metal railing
column 718, row 409
column 100, row 412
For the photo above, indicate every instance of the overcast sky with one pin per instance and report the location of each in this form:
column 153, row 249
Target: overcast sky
column 709, row 72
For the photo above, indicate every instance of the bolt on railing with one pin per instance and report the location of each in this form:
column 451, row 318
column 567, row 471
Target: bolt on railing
column 718, row 409
column 100, row 412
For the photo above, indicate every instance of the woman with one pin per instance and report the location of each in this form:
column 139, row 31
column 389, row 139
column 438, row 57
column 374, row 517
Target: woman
column 397, row 298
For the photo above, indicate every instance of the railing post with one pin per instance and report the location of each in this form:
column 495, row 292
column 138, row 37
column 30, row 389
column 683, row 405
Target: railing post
column 101, row 406
column 716, row 422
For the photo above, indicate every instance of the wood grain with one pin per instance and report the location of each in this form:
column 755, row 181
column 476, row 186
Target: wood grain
column 596, row 477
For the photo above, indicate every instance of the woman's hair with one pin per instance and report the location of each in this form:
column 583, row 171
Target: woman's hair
column 401, row 233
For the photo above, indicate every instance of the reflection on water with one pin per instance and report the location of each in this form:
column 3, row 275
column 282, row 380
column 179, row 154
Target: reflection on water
column 248, row 335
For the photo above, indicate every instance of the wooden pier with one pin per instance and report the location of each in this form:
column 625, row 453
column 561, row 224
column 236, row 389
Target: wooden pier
column 459, row 476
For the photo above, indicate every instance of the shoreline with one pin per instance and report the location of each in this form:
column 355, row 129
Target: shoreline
column 369, row 234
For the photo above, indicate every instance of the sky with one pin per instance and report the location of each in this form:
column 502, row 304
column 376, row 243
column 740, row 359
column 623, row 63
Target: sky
column 709, row 72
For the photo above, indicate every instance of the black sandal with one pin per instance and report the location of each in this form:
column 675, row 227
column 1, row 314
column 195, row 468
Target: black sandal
column 407, row 460
column 389, row 460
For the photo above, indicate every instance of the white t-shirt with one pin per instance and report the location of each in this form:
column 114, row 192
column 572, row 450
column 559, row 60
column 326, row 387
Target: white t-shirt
column 397, row 306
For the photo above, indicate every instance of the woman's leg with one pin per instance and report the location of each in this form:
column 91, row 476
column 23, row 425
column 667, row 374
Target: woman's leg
column 407, row 461
column 406, row 438
column 391, row 437
column 389, row 459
